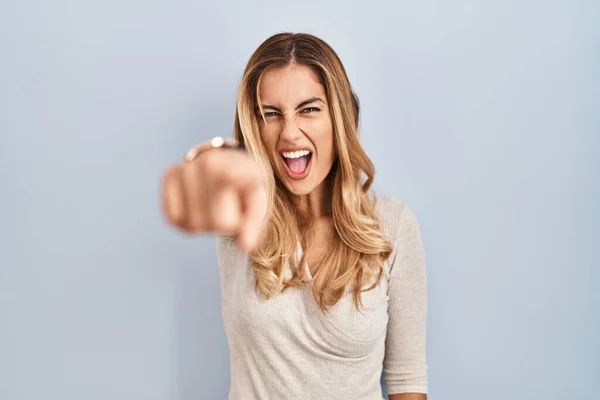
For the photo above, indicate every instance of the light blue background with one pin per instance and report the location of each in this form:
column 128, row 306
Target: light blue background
column 484, row 116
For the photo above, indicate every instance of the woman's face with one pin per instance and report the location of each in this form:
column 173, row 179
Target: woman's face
column 297, row 132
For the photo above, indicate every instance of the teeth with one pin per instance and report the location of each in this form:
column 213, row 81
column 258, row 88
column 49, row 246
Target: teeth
column 295, row 154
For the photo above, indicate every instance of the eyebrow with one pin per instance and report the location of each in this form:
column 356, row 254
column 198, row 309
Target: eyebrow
column 302, row 104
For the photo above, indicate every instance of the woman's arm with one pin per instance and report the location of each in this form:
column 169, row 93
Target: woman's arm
column 408, row 396
column 405, row 366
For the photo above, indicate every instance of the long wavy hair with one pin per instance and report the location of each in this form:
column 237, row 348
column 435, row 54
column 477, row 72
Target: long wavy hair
column 359, row 248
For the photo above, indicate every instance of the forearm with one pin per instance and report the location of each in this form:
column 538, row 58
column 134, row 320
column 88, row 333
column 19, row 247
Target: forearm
column 408, row 396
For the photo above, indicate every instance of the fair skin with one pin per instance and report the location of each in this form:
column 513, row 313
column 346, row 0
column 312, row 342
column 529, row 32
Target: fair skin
column 296, row 117
column 408, row 396
column 221, row 191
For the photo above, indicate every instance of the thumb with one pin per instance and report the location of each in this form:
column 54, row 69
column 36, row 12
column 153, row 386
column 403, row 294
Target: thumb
column 254, row 217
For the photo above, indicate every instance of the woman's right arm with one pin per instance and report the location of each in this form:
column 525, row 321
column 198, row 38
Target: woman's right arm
column 221, row 191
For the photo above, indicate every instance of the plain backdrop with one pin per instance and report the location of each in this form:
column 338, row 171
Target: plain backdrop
column 484, row 116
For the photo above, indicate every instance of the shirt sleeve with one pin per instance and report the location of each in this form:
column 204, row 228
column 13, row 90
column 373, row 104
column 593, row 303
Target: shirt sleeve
column 405, row 366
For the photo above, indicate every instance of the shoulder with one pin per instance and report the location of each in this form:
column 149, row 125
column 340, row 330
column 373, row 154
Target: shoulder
column 400, row 224
column 396, row 218
column 388, row 207
column 391, row 212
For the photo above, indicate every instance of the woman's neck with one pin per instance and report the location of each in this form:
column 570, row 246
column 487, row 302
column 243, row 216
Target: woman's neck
column 316, row 204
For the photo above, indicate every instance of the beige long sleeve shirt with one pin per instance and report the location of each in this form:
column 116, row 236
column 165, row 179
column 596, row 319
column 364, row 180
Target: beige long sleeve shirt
column 287, row 348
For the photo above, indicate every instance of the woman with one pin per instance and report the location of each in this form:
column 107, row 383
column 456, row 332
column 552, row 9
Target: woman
column 323, row 285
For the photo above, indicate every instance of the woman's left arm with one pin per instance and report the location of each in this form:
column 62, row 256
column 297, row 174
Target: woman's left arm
column 408, row 396
column 405, row 366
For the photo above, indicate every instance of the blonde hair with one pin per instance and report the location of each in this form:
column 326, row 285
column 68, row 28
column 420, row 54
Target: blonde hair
column 358, row 248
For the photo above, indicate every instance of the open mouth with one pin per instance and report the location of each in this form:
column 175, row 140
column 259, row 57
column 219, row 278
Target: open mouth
column 297, row 162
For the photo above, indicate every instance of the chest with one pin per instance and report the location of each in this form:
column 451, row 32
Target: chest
column 293, row 319
column 320, row 243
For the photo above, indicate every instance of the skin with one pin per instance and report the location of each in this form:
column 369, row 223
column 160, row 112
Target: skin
column 297, row 115
column 408, row 396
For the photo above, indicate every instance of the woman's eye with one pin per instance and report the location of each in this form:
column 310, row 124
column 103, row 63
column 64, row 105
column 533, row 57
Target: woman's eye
column 309, row 110
column 270, row 114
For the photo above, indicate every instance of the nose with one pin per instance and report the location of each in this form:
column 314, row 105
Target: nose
column 290, row 132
